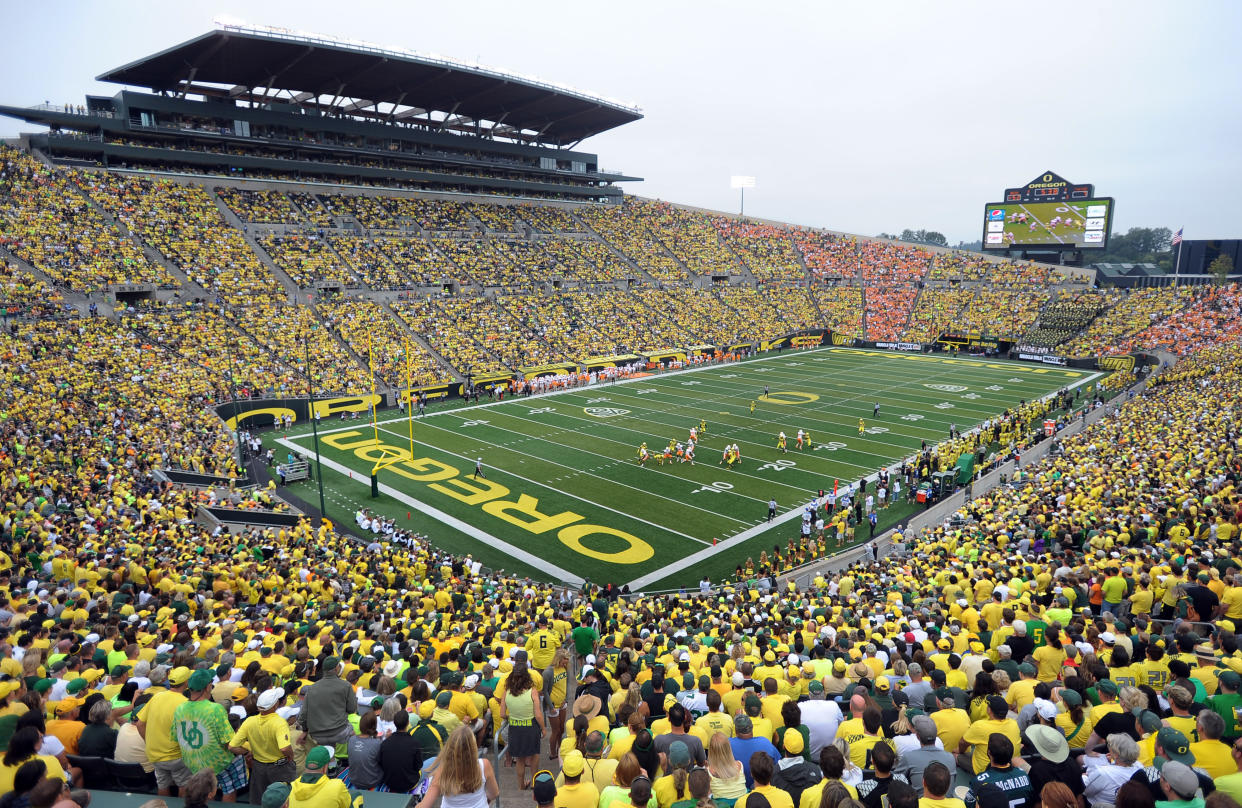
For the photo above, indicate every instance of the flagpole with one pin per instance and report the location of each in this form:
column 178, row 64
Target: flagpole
column 1177, row 264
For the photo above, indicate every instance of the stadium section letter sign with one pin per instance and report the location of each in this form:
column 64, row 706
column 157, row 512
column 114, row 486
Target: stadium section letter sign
column 1069, row 224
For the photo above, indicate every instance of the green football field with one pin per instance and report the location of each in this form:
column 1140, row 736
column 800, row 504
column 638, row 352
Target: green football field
column 562, row 495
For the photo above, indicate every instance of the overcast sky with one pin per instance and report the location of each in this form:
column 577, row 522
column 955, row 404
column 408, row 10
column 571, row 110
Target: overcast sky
column 862, row 116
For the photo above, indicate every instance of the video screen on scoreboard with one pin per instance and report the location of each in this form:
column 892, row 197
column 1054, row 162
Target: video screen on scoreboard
column 1079, row 224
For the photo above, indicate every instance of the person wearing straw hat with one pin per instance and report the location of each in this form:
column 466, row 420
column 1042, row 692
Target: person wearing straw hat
column 590, row 707
column 1051, row 761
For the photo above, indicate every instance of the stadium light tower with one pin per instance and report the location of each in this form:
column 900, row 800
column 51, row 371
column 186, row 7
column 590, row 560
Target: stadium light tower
column 742, row 183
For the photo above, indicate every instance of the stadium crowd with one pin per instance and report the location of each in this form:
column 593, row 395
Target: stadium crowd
column 1068, row 640
column 1071, row 635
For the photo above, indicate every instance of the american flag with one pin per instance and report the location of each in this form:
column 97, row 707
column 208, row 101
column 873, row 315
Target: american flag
column 1177, row 237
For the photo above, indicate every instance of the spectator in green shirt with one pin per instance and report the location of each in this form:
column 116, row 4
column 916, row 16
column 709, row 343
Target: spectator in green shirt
column 1226, row 704
column 201, row 728
column 1114, row 589
column 585, row 639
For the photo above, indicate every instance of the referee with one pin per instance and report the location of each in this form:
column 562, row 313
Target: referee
column 771, row 509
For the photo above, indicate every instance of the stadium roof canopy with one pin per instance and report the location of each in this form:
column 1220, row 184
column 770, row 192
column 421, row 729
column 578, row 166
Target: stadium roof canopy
column 274, row 66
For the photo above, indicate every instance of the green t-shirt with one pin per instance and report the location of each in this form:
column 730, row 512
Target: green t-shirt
column 202, row 730
column 1226, row 705
column 584, row 640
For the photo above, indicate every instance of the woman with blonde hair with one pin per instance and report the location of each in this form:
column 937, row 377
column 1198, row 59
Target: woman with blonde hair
column 621, row 739
column 727, row 773
column 851, row 774
column 461, row 779
column 31, row 662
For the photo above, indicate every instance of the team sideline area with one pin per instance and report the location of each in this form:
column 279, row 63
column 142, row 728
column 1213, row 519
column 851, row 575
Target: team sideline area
column 372, row 446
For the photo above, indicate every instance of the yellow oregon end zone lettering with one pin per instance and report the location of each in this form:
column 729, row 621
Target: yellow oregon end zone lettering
column 973, row 363
column 522, row 512
column 789, row 397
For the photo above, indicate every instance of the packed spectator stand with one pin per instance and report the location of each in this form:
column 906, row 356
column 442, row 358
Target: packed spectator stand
column 1070, row 633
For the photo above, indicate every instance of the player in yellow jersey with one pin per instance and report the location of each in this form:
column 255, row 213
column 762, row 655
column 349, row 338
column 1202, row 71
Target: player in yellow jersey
column 702, row 426
column 752, row 407
column 861, row 426
column 643, row 455
column 780, row 443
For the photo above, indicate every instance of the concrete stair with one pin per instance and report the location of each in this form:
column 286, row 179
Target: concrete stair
column 419, row 340
column 79, row 300
column 291, row 288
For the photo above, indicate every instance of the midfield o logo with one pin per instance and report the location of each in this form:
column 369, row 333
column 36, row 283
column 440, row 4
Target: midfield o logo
column 948, row 388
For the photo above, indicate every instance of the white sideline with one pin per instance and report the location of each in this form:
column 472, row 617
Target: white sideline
column 540, row 563
column 448, row 519
column 647, row 379
column 702, row 555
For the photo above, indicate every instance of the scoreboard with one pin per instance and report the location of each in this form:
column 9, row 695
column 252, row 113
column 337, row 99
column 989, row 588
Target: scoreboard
column 1049, row 187
column 1049, row 219
column 1064, row 225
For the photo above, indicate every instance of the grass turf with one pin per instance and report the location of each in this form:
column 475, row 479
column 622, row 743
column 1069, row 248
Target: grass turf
column 563, row 496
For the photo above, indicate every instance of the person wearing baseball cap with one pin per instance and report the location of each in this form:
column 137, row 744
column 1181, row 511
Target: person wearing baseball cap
column 316, row 789
column 543, row 788
column 575, row 791
column 155, row 724
column 201, row 728
column 275, row 795
column 1180, row 784
column 977, row 735
column 1171, row 747
column 266, row 737
column 327, row 705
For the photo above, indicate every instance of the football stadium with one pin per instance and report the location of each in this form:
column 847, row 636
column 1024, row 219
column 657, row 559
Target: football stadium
column 364, row 442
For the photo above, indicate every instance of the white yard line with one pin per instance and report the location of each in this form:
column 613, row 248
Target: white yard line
column 1017, row 366
column 574, row 470
column 288, row 443
column 702, row 555
column 537, row 562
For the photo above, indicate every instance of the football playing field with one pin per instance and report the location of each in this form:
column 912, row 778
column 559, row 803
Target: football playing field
column 562, row 495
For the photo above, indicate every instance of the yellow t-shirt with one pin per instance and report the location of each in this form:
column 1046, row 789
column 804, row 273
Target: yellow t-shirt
column 777, row 797
column 951, row 725
column 1021, row 693
column 665, row 792
column 7, row 773
column 943, row 802
column 158, row 715
column 1214, row 758
column 266, row 736
column 1049, row 660
column 581, row 795
column 978, row 735
column 1077, row 739
column 813, row 794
